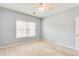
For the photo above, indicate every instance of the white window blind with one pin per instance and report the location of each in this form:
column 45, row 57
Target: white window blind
column 25, row 29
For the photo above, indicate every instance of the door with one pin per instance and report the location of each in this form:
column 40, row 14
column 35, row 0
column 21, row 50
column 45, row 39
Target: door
column 77, row 33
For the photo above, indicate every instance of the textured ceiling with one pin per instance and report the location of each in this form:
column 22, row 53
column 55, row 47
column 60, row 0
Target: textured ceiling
column 28, row 8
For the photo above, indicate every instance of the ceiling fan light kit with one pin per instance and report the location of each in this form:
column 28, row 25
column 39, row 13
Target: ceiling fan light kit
column 40, row 7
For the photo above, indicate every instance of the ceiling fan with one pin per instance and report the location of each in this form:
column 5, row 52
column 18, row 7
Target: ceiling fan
column 41, row 7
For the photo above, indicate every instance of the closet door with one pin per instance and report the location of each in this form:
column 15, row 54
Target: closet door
column 77, row 33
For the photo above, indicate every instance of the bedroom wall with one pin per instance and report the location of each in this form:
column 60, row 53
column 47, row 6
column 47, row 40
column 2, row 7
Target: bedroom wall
column 8, row 26
column 60, row 27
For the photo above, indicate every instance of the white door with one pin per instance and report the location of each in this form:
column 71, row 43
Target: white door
column 77, row 33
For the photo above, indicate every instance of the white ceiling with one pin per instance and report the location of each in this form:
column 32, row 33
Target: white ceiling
column 27, row 8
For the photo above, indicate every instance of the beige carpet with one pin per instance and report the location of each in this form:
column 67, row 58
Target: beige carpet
column 38, row 48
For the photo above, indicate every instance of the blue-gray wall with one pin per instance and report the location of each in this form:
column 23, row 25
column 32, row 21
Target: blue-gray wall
column 8, row 26
column 60, row 27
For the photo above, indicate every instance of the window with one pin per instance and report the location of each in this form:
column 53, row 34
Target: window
column 25, row 29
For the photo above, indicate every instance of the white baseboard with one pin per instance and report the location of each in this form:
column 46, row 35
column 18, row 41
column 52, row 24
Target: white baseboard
column 62, row 45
